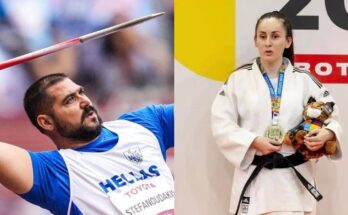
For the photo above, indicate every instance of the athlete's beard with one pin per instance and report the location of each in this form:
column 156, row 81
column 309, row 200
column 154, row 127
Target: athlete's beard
column 83, row 132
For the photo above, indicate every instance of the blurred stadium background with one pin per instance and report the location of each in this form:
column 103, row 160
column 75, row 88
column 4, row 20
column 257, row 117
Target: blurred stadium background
column 120, row 72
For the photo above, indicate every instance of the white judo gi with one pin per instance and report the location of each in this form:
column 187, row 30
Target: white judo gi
column 242, row 111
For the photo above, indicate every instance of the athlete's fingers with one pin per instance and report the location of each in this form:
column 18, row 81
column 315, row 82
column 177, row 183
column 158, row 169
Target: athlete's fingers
column 312, row 133
column 314, row 146
column 314, row 143
column 274, row 142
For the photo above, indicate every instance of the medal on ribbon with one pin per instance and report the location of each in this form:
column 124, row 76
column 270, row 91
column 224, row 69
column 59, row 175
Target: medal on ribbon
column 274, row 131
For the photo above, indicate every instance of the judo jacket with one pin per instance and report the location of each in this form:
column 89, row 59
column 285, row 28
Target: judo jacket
column 241, row 111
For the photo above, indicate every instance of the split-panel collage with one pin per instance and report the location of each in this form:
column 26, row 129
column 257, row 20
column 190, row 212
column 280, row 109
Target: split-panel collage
column 130, row 107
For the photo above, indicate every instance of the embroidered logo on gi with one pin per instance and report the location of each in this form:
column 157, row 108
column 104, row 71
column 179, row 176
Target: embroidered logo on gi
column 222, row 93
column 134, row 155
column 244, row 205
column 246, row 200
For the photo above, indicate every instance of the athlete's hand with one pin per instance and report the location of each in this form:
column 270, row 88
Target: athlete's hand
column 317, row 138
column 265, row 145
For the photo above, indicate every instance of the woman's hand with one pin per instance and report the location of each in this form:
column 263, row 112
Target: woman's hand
column 317, row 138
column 265, row 145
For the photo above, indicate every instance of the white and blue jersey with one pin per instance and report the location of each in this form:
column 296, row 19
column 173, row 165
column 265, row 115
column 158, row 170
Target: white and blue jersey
column 109, row 175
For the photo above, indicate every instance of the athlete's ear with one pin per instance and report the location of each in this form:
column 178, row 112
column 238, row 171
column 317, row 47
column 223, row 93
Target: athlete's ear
column 288, row 42
column 45, row 122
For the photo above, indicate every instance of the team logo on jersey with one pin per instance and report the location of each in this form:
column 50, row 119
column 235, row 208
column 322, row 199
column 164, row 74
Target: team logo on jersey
column 134, row 155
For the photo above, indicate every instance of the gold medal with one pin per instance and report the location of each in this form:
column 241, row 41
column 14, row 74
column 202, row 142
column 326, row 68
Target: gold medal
column 275, row 132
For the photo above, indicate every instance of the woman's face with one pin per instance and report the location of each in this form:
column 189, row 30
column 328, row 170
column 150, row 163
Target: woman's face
column 271, row 40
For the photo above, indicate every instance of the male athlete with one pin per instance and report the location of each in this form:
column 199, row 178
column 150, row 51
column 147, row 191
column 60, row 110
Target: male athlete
column 116, row 167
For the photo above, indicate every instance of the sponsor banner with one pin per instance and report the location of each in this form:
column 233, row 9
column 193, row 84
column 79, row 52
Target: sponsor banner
column 327, row 68
column 319, row 29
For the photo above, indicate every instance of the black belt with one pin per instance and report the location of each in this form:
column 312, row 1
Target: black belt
column 276, row 160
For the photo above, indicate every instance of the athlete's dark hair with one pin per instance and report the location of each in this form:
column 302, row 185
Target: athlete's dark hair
column 36, row 99
column 289, row 52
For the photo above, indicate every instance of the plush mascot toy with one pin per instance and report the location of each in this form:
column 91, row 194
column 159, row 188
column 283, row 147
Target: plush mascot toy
column 314, row 114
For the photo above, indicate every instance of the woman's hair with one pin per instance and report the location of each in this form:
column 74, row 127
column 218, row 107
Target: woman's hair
column 289, row 52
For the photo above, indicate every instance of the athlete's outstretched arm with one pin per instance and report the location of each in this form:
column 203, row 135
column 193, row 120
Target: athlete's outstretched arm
column 16, row 172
